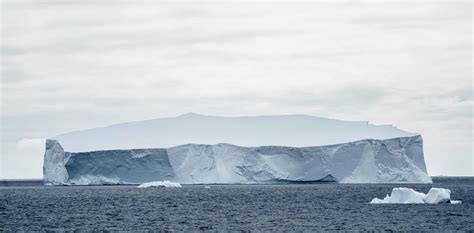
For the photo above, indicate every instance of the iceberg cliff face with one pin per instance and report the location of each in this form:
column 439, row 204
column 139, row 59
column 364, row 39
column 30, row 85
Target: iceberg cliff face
column 54, row 171
column 363, row 161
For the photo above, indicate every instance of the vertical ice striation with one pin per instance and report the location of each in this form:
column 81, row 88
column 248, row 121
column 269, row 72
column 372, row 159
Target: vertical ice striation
column 118, row 166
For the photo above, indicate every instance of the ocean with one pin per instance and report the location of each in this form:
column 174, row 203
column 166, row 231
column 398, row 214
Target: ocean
column 29, row 206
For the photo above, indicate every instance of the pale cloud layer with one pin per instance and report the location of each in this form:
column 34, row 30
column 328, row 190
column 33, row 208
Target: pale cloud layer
column 70, row 65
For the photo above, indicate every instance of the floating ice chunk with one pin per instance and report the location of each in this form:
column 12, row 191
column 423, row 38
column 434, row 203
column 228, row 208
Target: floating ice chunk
column 438, row 195
column 165, row 183
column 401, row 196
column 410, row 196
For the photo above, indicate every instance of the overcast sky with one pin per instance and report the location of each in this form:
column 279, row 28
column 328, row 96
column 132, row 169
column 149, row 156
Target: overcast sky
column 68, row 65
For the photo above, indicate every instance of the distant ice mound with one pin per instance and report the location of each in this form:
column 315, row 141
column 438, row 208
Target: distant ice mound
column 165, row 183
column 250, row 131
column 363, row 161
column 410, row 196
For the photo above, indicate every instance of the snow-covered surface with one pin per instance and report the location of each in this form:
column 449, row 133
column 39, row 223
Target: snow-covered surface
column 410, row 196
column 250, row 131
column 363, row 161
column 165, row 183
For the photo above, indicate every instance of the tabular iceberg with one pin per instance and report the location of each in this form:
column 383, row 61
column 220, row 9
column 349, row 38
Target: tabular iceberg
column 363, row 161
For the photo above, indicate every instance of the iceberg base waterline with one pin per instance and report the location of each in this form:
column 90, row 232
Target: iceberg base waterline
column 364, row 161
column 165, row 183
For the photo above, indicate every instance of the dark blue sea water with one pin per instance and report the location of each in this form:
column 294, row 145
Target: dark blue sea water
column 31, row 206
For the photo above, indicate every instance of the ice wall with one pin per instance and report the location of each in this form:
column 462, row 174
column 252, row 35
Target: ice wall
column 104, row 167
column 363, row 161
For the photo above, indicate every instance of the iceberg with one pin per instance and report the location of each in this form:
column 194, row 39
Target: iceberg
column 410, row 196
column 363, row 161
column 165, row 183
column 199, row 149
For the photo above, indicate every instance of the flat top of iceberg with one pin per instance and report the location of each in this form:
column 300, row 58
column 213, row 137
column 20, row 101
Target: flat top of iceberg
column 410, row 196
column 249, row 131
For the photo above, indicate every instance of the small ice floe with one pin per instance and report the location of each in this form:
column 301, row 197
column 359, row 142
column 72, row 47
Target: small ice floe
column 207, row 187
column 165, row 183
column 410, row 196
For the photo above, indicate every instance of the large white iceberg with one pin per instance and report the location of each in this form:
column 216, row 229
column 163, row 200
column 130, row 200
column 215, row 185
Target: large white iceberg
column 363, row 161
column 410, row 196
column 199, row 149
